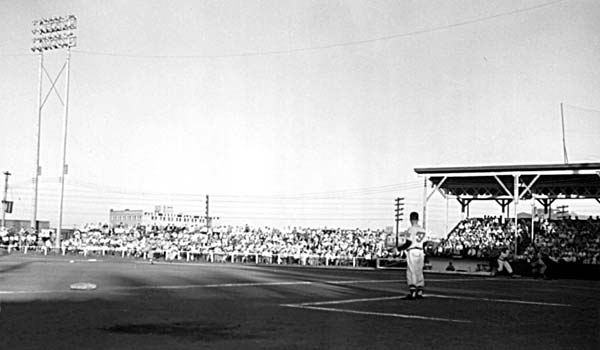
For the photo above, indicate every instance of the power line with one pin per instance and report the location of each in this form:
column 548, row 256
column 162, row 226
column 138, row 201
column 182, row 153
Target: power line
column 314, row 195
column 318, row 47
column 247, row 200
column 375, row 189
column 101, row 194
column 583, row 108
column 307, row 218
column 17, row 55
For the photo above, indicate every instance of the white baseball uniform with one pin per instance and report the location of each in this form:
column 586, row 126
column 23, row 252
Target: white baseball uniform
column 415, row 259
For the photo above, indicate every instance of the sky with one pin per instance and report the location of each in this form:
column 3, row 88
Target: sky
column 294, row 112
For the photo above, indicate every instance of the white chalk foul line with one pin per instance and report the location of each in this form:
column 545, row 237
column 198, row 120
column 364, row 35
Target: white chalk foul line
column 182, row 286
column 216, row 285
column 189, row 286
column 401, row 280
column 348, row 301
column 10, row 292
column 512, row 301
column 372, row 313
column 475, row 279
column 359, row 281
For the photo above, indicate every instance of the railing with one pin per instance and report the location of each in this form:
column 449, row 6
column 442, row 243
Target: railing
column 205, row 255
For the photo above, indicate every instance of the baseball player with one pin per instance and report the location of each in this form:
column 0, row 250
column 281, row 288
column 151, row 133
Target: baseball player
column 415, row 237
column 503, row 263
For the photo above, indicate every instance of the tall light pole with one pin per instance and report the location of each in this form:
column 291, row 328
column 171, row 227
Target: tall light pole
column 55, row 33
column 4, row 202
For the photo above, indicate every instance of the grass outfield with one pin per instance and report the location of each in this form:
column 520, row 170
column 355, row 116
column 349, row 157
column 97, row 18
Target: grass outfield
column 213, row 306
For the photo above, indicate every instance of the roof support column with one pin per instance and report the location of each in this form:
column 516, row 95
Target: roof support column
column 427, row 196
column 532, row 217
column 516, row 202
column 504, row 205
column 425, row 200
column 547, row 204
column 446, row 227
column 464, row 205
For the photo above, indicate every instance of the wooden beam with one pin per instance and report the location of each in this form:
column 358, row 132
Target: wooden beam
column 503, row 186
column 436, row 188
column 528, row 188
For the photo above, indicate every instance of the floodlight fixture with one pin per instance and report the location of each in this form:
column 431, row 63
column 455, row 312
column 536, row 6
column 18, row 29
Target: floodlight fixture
column 54, row 33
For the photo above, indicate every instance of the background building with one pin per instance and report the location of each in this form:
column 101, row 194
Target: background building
column 127, row 218
column 161, row 216
column 16, row 225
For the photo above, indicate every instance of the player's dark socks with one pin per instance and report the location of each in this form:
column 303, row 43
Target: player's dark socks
column 410, row 296
column 419, row 294
column 412, row 292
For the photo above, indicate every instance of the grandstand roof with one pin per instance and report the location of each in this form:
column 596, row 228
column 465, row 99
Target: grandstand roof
column 551, row 181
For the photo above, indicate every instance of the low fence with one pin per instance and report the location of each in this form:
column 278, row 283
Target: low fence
column 207, row 255
column 559, row 270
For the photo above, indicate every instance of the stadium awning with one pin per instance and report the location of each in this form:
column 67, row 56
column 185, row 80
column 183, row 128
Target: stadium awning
column 511, row 183
column 551, row 181
column 508, row 184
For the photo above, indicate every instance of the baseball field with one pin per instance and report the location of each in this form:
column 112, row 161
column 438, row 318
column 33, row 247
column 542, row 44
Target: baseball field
column 138, row 305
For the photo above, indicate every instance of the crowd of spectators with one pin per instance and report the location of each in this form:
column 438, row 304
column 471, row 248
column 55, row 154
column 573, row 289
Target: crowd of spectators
column 24, row 238
column 562, row 240
column 480, row 237
column 240, row 240
column 567, row 240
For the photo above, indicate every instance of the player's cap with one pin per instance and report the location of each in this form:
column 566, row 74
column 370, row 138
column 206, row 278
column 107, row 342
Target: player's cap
column 414, row 216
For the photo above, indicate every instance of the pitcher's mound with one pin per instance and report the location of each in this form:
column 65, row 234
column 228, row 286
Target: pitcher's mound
column 83, row 286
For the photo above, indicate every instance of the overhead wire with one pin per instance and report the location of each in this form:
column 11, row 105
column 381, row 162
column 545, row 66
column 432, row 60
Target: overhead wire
column 327, row 46
column 311, row 48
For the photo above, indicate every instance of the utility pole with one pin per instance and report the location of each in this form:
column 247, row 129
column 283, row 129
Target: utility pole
column 4, row 202
column 562, row 119
column 425, row 202
column 207, row 216
column 561, row 211
column 399, row 213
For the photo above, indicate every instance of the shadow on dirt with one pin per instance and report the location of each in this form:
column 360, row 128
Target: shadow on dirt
column 192, row 330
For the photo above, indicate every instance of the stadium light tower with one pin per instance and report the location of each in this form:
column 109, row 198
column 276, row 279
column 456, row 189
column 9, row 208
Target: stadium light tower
column 50, row 34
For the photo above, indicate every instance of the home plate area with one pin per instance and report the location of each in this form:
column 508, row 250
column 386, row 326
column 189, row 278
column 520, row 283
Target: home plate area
column 437, row 307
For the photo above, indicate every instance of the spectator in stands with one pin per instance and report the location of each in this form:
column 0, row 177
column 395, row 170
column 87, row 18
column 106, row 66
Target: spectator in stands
column 4, row 237
column 538, row 266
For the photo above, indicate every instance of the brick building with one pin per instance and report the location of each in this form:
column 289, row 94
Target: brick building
column 161, row 216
